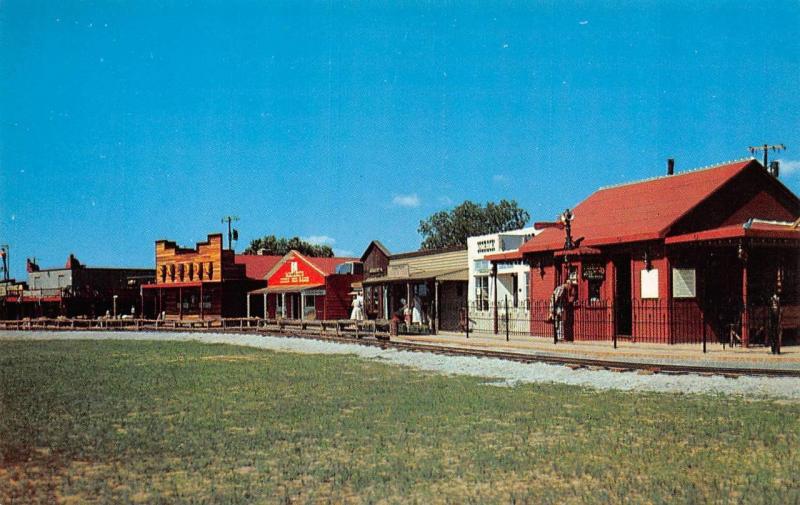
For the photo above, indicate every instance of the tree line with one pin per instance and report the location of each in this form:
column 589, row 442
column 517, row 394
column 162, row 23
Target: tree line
column 446, row 228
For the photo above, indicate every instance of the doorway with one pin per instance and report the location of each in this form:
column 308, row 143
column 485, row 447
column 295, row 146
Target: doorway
column 622, row 296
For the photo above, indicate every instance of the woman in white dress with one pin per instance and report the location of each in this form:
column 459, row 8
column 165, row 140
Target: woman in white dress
column 358, row 309
column 416, row 311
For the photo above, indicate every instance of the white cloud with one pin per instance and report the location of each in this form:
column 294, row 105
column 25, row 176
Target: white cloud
column 790, row 167
column 346, row 253
column 500, row 179
column 320, row 240
column 411, row 200
column 445, row 200
column 583, row 23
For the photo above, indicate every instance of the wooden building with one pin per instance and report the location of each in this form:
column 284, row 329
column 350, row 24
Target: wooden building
column 680, row 258
column 436, row 278
column 302, row 287
column 204, row 282
column 75, row 290
column 376, row 262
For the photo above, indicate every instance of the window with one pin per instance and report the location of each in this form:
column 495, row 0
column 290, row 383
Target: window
column 594, row 289
column 684, row 283
column 482, row 292
column 481, row 266
column 310, row 303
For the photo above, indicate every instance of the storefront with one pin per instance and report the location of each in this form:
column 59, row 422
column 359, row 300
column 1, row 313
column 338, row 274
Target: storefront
column 204, row 282
column 76, row 290
column 306, row 288
column 500, row 289
column 425, row 290
column 699, row 255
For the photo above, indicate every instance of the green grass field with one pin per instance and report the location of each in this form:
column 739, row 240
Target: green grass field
column 161, row 422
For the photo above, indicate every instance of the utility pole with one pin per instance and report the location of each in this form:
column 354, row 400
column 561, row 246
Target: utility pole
column 6, row 261
column 766, row 148
column 232, row 233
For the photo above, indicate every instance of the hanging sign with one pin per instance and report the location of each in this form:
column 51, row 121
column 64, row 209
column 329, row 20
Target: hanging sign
column 594, row 272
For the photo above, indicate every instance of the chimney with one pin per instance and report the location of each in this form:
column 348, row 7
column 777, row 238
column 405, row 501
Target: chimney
column 775, row 168
column 670, row 166
column 31, row 266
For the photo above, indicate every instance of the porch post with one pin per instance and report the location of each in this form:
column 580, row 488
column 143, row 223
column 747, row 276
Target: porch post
column 408, row 304
column 745, row 307
column 266, row 314
column 180, row 303
column 436, row 306
column 283, row 305
column 670, row 303
column 202, row 316
column 302, row 305
column 494, row 297
column 248, row 305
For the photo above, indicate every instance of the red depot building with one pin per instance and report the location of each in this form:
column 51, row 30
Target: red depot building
column 708, row 254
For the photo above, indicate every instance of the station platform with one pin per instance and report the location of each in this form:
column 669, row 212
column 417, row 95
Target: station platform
column 635, row 352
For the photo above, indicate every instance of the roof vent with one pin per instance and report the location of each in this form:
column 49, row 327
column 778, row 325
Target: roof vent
column 670, row 166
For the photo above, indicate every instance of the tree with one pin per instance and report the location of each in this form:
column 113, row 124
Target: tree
column 451, row 228
column 272, row 245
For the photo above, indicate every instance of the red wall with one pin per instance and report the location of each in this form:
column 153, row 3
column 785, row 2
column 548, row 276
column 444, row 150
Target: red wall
column 337, row 301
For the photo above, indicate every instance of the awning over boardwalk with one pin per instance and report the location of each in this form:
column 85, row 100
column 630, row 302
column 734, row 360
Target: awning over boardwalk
column 754, row 228
column 285, row 289
column 439, row 275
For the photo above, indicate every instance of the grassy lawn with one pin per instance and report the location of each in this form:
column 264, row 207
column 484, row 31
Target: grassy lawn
column 162, row 422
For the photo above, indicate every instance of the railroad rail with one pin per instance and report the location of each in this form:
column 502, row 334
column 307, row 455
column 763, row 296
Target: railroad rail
column 368, row 333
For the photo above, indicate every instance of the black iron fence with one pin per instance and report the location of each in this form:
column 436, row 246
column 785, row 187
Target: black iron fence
column 653, row 321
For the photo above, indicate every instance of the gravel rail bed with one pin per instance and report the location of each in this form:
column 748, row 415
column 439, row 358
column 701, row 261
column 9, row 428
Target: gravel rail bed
column 500, row 372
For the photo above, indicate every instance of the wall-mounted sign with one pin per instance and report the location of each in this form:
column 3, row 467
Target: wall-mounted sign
column 649, row 283
column 684, row 283
column 594, row 272
column 295, row 272
column 397, row 271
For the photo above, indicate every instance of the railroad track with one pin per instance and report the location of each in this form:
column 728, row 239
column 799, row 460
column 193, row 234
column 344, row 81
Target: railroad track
column 574, row 362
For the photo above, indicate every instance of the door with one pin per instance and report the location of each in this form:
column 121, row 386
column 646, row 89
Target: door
column 622, row 295
column 294, row 305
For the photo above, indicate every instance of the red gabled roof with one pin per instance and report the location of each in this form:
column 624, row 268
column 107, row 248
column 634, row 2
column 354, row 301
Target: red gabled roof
column 638, row 211
column 255, row 266
column 325, row 266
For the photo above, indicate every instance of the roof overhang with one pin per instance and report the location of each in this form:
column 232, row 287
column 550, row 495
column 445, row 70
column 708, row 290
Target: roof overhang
column 506, row 256
column 462, row 274
column 167, row 285
column 756, row 230
column 285, row 289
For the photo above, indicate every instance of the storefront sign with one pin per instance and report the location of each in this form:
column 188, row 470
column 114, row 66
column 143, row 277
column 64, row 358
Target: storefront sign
column 398, row 271
column 594, row 272
column 295, row 272
column 650, row 283
column 294, row 276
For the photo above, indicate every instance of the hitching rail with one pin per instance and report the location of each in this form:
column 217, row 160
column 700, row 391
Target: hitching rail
column 371, row 334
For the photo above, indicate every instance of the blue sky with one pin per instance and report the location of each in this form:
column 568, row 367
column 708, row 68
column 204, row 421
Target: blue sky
column 126, row 122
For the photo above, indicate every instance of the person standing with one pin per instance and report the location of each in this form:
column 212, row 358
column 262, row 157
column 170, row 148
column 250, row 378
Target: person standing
column 357, row 314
